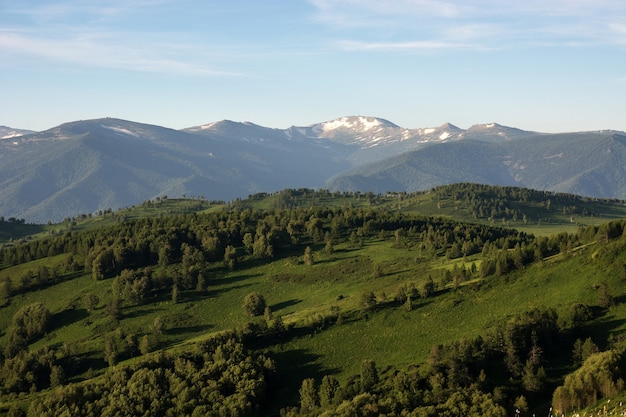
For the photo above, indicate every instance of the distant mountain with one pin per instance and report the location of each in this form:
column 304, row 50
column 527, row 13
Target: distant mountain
column 9, row 132
column 85, row 166
column 364, row 139
column 590, row 164
column 82, row 167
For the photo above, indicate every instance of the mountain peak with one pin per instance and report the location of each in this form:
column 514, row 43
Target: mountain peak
column 449, row 126
column 484, row 126
column 357, row 123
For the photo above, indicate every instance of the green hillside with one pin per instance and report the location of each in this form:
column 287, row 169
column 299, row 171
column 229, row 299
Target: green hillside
column 464, row 300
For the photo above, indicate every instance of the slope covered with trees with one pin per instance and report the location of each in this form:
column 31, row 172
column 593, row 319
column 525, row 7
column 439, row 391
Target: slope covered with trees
column 311, row 303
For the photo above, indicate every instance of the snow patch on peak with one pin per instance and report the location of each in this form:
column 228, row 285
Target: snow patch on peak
column 444, row 136
column 359, row 123
column 206, row 126
column 121, row 130
column 343, row 122
column 12, row 135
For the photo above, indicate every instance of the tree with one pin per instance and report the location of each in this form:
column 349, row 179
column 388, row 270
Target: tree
column 57, row 376
column 90, row 301
column 308, row 256
column 309, row 399
column 230, row 257
column 368, row 300
column 158, row 326
column 605, row 299
column 369, row 375
column 31, row 320
column 254, row 304
column 400, row 240
column 248, row 243
column 110, row 351
column 200, row 285
column 521, row 404
column 114, row 309
column 588, row 348
column 16, row 411
column 145, row 345
column 175, row 294
column 533, row 380
column 328, row 390
column 427, row 288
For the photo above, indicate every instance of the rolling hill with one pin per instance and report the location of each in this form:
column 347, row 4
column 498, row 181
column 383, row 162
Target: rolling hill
column 396, row 309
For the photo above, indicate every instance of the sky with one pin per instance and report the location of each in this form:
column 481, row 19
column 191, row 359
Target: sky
column 542, row 65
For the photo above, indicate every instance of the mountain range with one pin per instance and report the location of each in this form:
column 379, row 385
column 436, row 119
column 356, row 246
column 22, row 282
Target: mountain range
column 85, row 166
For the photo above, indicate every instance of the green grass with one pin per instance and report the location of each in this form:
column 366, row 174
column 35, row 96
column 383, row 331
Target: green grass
column 300, row 294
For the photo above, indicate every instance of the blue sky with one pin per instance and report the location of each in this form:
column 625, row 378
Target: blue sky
column 544, row 65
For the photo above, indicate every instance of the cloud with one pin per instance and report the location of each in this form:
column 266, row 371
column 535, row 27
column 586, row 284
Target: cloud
column 90, row 10
column 422, row 24
column 402, row 46
column 96, row 49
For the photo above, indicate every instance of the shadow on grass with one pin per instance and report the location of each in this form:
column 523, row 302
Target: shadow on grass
column 177, row 331
column 293, row 366
column 210, row 293
column 67, row 317
column 231, row 280
column 140, row 311
column 285, row 304
column 600, row 330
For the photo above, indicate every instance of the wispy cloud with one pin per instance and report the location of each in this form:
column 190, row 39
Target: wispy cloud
column 425, row 24
column 90, row 34
column 91, row 10
column 402, row 46
column 95, row 49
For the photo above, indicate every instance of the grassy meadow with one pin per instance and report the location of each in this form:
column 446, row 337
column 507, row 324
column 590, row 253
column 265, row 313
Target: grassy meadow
column 304, row 296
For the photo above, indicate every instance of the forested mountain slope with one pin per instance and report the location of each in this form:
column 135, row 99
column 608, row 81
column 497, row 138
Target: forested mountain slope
column 362, row 306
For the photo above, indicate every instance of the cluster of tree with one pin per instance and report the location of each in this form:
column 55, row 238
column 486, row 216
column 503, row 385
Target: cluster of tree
column 29, row 323
column 600, row 376
column 484, row 376
column 139, row 252
column 11, row 220
column 25, row 371
column 33, row 371
column 42, row 277
column 220, row 378
column 485, row 201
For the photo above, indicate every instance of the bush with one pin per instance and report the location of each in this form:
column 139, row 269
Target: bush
column 254, row 304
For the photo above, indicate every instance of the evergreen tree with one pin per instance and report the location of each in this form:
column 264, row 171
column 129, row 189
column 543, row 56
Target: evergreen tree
column 308, row 256
column 328, row 390
column 309, row 399
column 369, row 375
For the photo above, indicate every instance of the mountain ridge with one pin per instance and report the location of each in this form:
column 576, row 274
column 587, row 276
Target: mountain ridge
column 85, row 166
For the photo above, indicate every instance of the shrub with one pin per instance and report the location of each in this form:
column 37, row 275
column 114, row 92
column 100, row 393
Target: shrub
column 254, row 304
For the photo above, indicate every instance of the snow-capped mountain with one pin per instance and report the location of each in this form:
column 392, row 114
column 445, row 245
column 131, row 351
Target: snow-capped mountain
column 367, row 132
column 86, row 166
column 359, row 139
